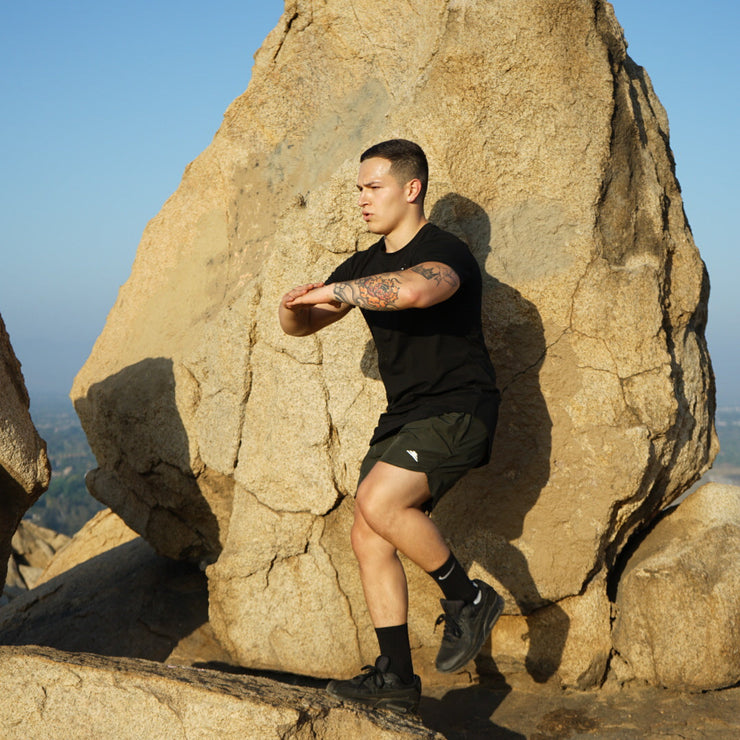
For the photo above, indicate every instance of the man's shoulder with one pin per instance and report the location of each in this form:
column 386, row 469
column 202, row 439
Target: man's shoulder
column 439, row 245
column 434, row 235
column 355, row 262
column 438, row 241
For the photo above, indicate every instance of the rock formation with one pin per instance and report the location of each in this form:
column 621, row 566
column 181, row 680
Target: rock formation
column 104, row 532
column 108, row 592
column 678, row 606
column 45, row 693
column 221, row 440
column 24, row 466
column 32, row 549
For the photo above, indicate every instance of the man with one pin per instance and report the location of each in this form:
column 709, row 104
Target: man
column 419, row 289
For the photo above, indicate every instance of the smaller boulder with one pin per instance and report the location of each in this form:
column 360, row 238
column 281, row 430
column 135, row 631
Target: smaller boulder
column 568, row 641
column 108, row 592
column 32, row 549
column 678, row 602
column 103, row 532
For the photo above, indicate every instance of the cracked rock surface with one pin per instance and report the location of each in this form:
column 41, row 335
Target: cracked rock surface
column 691, row 558
column 224, row 442
column 48, row 693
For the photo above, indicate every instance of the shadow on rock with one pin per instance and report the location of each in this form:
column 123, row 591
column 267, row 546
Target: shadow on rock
column 465, row 713
column 126, row 602
column 485, row 512
column 135, row 430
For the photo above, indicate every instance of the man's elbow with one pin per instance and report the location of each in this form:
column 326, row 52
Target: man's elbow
column 294, row 327
column 410, row 296
column 297, row 331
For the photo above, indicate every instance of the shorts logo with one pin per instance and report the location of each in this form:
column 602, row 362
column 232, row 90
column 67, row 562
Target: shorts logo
column 414, row 454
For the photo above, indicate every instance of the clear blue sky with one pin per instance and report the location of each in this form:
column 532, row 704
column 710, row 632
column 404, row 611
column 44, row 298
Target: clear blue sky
column 104, row 104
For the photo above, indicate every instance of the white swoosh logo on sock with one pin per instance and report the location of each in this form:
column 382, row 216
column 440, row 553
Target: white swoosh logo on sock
column 447, row 575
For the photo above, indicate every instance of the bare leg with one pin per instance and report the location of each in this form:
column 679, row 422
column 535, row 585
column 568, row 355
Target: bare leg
column 382, row 575
column 387, row 520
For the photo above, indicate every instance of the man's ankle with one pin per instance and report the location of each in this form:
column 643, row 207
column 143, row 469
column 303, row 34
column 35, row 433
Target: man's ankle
column 394, row 644
column 454, row 581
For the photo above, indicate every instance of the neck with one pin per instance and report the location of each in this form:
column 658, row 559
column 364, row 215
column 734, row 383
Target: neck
column 404, row 233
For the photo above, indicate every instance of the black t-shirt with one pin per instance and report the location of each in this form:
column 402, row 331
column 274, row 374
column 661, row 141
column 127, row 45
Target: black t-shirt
column 431, row 360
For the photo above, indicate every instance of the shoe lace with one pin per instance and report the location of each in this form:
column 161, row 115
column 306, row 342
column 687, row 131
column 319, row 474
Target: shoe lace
column 371, row 673
column 452, row 628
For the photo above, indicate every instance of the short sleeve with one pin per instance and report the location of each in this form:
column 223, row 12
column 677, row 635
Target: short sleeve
column 453, row 253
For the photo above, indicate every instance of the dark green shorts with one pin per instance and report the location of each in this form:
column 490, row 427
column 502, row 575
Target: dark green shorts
column 444, row 447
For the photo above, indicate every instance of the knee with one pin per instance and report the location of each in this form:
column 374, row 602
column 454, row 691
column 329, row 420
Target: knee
column 375, row 513
column 360, row 539
column 367, row 544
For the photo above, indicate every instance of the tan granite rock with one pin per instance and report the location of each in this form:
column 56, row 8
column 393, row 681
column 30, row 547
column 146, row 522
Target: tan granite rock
column 32, row 549
column 24, row 466
column 103, row 532
column 50, row 694
column 678, row 605
column 549, row 155
column 37, row 545
column 111, row 594
column 570, row 640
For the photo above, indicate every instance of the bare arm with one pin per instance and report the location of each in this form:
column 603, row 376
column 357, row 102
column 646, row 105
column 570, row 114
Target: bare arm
column 420, row 286
column 302, row 319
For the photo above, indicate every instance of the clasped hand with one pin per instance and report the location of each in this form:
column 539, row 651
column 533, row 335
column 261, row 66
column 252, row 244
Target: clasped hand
column 310, row 294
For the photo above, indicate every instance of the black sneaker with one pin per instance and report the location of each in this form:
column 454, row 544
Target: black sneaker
column 466, row 627
column 379, row 688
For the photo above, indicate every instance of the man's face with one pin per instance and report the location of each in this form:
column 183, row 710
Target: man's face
column 382, row 198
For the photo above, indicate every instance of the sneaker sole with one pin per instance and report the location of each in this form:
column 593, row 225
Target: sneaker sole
column 397, row 704
column 398, row 708
column 497, row 608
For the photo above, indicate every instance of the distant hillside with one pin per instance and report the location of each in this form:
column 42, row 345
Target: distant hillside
column 67, row 505
column 726, row 468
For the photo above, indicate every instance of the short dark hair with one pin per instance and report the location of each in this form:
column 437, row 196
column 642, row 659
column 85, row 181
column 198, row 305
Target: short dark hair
column 408, row 161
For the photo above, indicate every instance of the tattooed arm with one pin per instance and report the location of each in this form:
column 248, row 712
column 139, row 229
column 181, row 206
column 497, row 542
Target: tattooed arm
column 420, row 286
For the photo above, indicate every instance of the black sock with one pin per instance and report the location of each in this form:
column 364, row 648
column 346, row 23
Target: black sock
column 454, row 582
column 394, row 644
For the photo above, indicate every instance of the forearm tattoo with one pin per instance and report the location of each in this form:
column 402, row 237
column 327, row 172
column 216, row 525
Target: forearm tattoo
column 381, row 292
column 376, row 292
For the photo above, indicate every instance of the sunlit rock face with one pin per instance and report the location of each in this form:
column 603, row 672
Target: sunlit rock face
column 678, row 601
column 222, row 440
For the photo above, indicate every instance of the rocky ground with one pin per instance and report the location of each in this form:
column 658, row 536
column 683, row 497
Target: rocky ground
column 484, row 711
column 36, row 683
column 44, row 692
column 516, row 708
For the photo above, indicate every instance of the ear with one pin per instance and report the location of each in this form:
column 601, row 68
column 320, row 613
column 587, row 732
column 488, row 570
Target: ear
column 413, row 190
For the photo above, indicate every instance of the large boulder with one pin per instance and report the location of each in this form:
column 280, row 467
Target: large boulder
column 24, row 466
column 50, row 694
column 678, row 604
column 220, row 439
